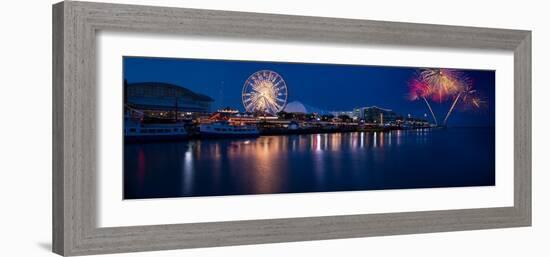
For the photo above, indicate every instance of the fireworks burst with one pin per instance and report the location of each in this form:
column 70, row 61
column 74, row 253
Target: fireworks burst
column 440, row 85
column 443, row 82
column 471, row 98
column 477, row 102
column 419, row 89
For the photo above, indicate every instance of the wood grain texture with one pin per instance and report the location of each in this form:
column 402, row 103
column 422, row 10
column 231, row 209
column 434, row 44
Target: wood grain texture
column 58, row 191
column 75, row 25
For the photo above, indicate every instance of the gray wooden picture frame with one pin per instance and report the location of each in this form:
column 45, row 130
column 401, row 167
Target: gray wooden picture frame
column 75, row 25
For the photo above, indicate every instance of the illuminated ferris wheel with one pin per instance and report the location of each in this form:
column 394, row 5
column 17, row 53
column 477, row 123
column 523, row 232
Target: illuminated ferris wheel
column 265, row 91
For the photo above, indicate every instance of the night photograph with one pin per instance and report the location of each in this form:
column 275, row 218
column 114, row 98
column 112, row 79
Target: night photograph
column 197, row 127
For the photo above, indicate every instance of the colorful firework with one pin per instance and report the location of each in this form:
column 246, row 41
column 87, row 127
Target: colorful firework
column 476, row 102
column 440, row 85
column 419, row 89
column 443, row 82
column 472, row 99
column 469, row 97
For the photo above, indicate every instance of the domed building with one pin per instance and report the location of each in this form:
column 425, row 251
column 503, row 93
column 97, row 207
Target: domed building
column 299, row 107
column 161, row 97
column 295, row 107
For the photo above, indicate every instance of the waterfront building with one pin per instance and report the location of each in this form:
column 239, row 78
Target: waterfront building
column 415, row 122
column 358, row 113
column 228, row 110
column 234, row 117
column 244, row 118
column 375, row 114
column 162, row 100
column 350, row 114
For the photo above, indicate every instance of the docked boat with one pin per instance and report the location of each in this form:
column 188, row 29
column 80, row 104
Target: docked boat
column 136, row 131
column 222, row 129
column 293, row 125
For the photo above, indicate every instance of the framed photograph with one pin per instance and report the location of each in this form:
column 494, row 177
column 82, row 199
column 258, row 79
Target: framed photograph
column 183, row 128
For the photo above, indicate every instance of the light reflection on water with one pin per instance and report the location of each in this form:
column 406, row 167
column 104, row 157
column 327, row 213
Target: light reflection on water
column 308, row 163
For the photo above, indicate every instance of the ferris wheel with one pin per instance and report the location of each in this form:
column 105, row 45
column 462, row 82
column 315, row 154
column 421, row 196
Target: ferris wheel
column 265, row 91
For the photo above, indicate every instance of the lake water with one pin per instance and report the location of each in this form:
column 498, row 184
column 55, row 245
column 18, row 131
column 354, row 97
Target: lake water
column 423, row 158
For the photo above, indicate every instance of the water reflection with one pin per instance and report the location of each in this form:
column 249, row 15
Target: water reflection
column 188, row 171
column 302, row 163
column 141, row 166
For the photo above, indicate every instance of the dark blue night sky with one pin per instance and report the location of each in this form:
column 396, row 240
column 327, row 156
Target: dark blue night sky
column 325, row 86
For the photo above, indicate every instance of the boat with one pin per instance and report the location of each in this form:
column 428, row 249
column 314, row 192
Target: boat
column 223, row 129
column 293, row 125
column 137, row 131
